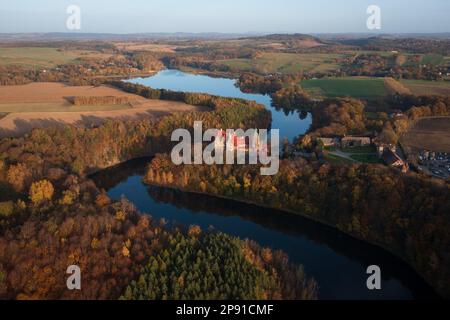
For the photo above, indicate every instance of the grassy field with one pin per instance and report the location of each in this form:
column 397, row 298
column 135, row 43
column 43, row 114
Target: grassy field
column 364, row 88
column 360, row 150
column 433, row 59
column 336, row 160
column 286, row 63
column 431, row 134
column 37, row 57
column 366, row 158
column 422, row 87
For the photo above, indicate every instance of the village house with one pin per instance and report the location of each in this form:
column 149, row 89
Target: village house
column 392, row 159
column 348, row 142
column 329, row 142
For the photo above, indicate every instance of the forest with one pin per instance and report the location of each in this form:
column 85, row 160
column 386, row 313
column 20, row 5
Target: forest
column 338, row 117
column 218, row 267
column 405, row 214
column 69, row 221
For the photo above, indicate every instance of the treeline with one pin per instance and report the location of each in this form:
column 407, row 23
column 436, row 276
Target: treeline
column 253, row 83
column 414, row 45
column 99, row 100
column 292, row 98
column 67, row 221
column 398, row 66
column 196, row 62
column 416, row 108
column 405, row 214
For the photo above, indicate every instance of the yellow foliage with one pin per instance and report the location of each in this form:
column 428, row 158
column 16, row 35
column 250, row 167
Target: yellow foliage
column 125, row 252
column 120, row 216
column 41, row 191
column 18, row 175
column 203, row 186
column 68, row 198
column 94, row 243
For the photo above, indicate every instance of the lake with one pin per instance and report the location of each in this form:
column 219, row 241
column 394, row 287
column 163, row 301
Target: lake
column 336, row 261
column 290, row 124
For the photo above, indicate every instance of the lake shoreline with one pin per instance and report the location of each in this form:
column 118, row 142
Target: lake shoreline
column 290, row 211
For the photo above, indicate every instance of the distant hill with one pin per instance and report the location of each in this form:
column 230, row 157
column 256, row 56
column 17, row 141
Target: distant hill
column 297, row 40
column 285, row 37
column 64, row 36
column 411, row 44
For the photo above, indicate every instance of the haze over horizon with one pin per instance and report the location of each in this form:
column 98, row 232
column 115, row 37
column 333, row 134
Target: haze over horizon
column 232, row 16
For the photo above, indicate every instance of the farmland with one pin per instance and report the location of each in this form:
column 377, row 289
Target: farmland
column 286, row 63
column 364, row 88
column 42, row 57
column 421, row 87
column 431, row 134
column 43, row 104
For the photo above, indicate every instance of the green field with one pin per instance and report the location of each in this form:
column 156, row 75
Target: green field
column 37, row 57
column 364, row 88
column 286, row 63
column 360, row 150
column 433, row 59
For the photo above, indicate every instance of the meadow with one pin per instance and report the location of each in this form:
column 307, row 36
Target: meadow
column 286, row 63
column 357, row 87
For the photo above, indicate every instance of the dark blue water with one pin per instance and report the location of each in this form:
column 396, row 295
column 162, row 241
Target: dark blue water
column 290, row 124
column 337, row 262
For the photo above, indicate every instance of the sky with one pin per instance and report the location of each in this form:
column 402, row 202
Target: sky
column 231, row 16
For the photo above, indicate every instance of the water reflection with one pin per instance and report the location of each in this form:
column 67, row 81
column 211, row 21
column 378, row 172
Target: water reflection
column 338, row 262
